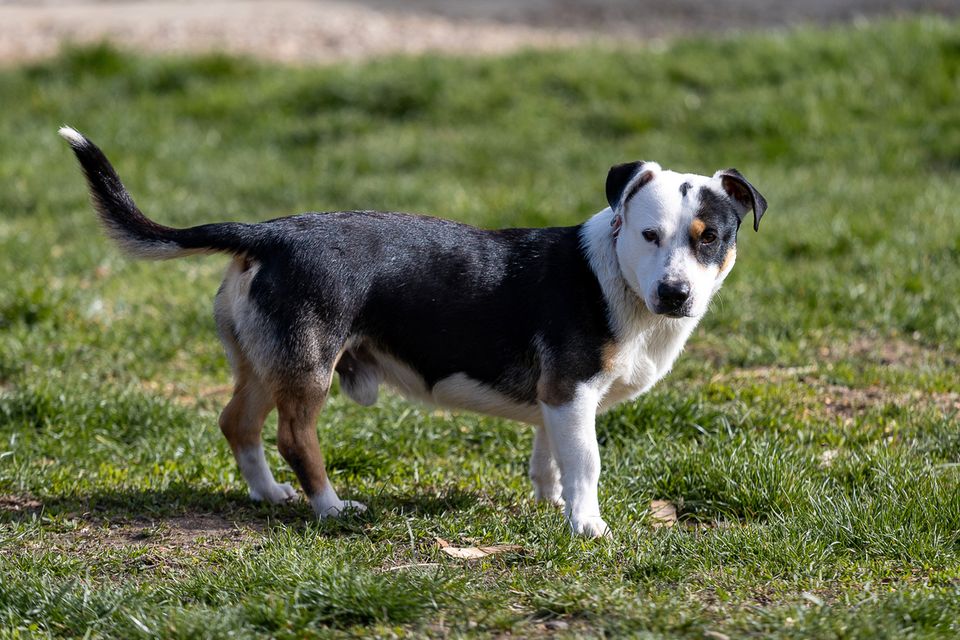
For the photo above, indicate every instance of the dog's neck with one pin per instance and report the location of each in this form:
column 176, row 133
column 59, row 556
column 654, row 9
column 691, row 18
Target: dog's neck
column 629, row 314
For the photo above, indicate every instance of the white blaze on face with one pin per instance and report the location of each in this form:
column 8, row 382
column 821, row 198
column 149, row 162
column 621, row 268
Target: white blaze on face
column 659, row 207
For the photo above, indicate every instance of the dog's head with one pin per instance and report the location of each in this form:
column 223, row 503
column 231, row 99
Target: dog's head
column 677, row 233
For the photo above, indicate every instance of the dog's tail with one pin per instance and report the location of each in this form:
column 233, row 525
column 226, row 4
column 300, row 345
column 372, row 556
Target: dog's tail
column 138, row 235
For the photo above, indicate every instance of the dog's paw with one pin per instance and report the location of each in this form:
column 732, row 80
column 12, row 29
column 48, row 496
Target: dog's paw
column 275, row 493
column 341, row 508
column 590, row 527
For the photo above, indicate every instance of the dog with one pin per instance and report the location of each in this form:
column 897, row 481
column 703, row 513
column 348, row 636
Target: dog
column 548, row 327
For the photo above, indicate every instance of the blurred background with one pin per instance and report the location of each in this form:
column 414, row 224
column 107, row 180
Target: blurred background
column 321, row 30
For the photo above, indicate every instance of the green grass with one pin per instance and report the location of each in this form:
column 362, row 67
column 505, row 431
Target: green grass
column 808, row 436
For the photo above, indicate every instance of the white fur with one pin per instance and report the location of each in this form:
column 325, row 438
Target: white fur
column 458, row 391
column 71, row 135
column 573, row 442
column 461, row 392
column 629, row 270
column 660, row 206
column 253, row 331
column 326, row 503
column 253, row 466
column 648, row 344
column 544, row 472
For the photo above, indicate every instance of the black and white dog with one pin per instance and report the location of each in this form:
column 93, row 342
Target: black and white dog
column 544, row 326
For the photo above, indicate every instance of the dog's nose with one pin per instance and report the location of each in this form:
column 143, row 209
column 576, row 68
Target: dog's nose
column 673, row 294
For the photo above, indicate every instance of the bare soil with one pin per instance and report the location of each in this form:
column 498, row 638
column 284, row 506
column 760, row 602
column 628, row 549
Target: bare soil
column 189, row 532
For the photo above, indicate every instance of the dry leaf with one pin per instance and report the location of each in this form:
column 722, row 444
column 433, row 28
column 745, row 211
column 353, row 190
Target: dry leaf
column 827, row 457
column 473, row 553
column 662, row 514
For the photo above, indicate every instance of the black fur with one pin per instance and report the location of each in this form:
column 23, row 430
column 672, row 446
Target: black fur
column 120, row 214
column 439, row 296
column 617, row 179
column 505, row 307
column 719, row 215
column 740, row 189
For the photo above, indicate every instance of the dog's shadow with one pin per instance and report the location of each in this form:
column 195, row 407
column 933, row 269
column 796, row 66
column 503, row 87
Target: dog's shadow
column 191, row 507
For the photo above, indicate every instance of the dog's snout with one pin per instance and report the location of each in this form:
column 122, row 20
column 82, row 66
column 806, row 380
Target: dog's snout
column 673, row 295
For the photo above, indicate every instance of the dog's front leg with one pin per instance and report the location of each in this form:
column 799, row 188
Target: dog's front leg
column 543, row 469
column 573, row 440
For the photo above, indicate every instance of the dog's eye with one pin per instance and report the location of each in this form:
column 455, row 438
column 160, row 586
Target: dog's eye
column 651, row 236
column 708, row 236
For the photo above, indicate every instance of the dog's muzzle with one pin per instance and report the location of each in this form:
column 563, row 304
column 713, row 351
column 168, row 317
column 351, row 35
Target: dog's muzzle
column 672, row 299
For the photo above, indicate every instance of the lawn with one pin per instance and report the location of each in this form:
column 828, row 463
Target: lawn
column 808, row 436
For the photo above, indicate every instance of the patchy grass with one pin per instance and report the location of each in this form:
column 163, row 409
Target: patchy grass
column 808, row 438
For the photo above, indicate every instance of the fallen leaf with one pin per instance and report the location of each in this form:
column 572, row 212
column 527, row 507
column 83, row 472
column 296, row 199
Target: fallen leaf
column 662, row 514
column 827, row 457
column 473, row 553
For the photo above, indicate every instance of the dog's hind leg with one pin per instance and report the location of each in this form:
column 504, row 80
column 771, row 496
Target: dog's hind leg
column 242, row 422
column 242, row 419
column 298, row 444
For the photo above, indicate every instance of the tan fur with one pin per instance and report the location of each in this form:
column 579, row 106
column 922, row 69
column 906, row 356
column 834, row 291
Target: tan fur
column 728, row 260
column 609, row 354
column 242, row 419
column 696, row 229
column 297, row 435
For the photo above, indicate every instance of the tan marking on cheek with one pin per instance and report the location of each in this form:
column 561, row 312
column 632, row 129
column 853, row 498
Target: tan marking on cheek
column 728, row 260
column 696, row 228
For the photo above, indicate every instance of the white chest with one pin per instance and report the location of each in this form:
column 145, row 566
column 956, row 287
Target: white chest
column 643, row 361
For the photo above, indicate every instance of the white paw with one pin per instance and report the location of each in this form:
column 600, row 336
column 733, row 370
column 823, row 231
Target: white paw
column 341, row 507
column 590, row 527
column 273, row 493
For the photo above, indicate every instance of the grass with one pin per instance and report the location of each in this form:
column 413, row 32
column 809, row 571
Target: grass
column 808, row 436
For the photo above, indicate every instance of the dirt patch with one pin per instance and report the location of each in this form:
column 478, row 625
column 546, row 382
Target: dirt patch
column 888, row 350
column 834, row 400
column 191, row 532
column 848, row 402
column 19, row 504
column 84, row 534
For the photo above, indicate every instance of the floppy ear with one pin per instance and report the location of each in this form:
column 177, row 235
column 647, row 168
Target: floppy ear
column 740, row 189
column 617, row 179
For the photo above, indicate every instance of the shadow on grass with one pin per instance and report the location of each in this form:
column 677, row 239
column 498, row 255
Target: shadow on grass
column 426, row 504
column 176, row 501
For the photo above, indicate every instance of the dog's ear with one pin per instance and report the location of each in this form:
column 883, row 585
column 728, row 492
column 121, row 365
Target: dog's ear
column 743, row 193
column 619, row 177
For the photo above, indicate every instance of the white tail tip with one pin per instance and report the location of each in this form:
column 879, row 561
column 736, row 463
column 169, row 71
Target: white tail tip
column 71, row 135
